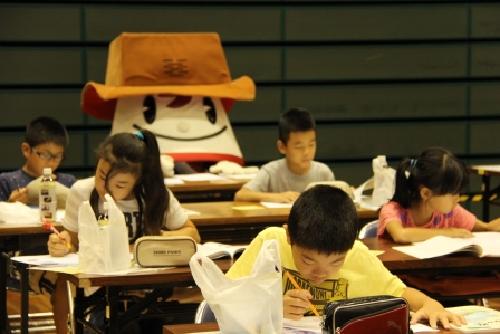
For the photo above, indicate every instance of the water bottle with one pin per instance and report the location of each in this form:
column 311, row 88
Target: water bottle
column 47, row 198
column 103, row 220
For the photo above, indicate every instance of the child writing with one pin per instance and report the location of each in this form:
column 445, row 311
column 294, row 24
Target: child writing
column 283, row 180
column 128, row 168
column 318, row 249
column 43, row 147
column 425, row 202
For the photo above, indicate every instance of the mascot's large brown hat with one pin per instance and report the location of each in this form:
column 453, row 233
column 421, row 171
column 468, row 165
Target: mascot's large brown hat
column 189, row 64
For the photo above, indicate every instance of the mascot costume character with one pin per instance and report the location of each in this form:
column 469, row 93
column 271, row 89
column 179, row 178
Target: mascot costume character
column 177, row 86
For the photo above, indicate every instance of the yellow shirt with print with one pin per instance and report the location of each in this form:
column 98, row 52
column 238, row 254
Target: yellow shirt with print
column 362, row 274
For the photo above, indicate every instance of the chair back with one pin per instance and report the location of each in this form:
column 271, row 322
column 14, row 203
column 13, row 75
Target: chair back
column 204, row 314
column 369, row 230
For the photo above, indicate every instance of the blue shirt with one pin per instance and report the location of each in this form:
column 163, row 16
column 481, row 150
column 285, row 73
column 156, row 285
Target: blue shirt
column 11, row 181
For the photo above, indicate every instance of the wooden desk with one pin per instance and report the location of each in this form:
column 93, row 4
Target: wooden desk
column 12, row 238
column 158, row 280
column 486, row 171
column 398, row 262
column 219, row 221
column 213, row 327
column 196, row 191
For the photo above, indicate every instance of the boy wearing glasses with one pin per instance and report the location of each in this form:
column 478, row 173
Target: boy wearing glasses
column 43, row 147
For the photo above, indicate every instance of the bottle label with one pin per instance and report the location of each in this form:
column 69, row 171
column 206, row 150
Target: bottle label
column 47, row 200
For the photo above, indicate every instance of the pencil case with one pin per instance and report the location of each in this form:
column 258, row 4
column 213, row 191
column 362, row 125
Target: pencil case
column 160, row 251
column 367, row 315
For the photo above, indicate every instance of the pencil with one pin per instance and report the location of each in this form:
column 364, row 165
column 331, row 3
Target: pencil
column 296, row 285
column 48, row 225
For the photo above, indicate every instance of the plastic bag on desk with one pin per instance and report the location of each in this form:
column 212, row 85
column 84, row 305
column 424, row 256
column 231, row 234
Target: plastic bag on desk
column 102, row 249
column 382, row 185
column 383, row 180
column 251, row 304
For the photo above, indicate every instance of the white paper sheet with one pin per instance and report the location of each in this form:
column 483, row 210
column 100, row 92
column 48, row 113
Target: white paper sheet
column 274, row 205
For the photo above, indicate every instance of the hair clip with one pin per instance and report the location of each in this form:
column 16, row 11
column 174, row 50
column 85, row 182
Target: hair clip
column 413, row 163
column 139, row 135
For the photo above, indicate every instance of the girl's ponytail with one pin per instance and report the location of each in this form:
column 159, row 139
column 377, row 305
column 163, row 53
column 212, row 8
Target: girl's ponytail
column 406, row 191
column 153, row 191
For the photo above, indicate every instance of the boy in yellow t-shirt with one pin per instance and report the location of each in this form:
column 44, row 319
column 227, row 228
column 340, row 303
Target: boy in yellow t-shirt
column 319, row 250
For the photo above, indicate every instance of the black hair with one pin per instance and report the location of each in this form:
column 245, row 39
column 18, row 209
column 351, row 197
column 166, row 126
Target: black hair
column 435, row 168
column 43, row 130
column 323, row 218
column 138, row 154
column 295, row 120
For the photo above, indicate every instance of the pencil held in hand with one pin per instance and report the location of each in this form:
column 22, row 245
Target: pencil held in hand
column 296, row 285
column 47, row 224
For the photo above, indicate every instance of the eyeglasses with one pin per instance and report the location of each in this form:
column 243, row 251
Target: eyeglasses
column 47, row 156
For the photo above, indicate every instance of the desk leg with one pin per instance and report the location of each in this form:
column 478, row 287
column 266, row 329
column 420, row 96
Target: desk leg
column 23, row 270
column 78, row 311
column 4, row 319
column 112, row 308
column 486, row 197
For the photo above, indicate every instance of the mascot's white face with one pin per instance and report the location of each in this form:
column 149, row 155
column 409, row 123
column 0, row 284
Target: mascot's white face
column 189, row 128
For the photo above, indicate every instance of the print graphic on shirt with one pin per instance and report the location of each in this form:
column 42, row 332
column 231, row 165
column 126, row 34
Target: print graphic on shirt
column 329, row 290
column 132, row 220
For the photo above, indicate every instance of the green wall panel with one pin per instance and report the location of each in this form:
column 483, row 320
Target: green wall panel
column 43, row 22
column 369, row 140
column 379, row 101
column 485, row 99
column 382, row 62
column 265, row 108
column 260, row 63
column 485, row 20
column 40, row 65
column 376, row 22
column 485, row 60
column 20, row 106
column 485, row 137
column 232, row 23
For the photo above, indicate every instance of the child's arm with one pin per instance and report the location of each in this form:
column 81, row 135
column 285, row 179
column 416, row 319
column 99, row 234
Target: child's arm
column 19, row 195
column 493, row 225
column 245, row 194
column 428, row 308
column 188, row 230
column 402, row 234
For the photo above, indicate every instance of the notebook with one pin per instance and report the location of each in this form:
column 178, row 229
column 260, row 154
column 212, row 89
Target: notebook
column 215, row 250
column 481, row 244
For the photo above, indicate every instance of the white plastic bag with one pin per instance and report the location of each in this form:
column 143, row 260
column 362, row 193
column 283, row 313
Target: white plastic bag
column 251, row 304
column 102, row 249
column 382, row 183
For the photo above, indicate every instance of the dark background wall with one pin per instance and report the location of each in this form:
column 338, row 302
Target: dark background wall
column 381, row 77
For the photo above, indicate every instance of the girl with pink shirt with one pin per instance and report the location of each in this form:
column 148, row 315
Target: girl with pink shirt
column 425, row 202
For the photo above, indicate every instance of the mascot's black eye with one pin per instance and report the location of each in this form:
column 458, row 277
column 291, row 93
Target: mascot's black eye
column 149, row 110
column 211, row 113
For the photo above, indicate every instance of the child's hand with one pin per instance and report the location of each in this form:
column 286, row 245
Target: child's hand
column 435, row 312
column 458, row 233
column 296, row 303
column 19, row 195
column 58, row 244
column 494, row 225
column 285, row 197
